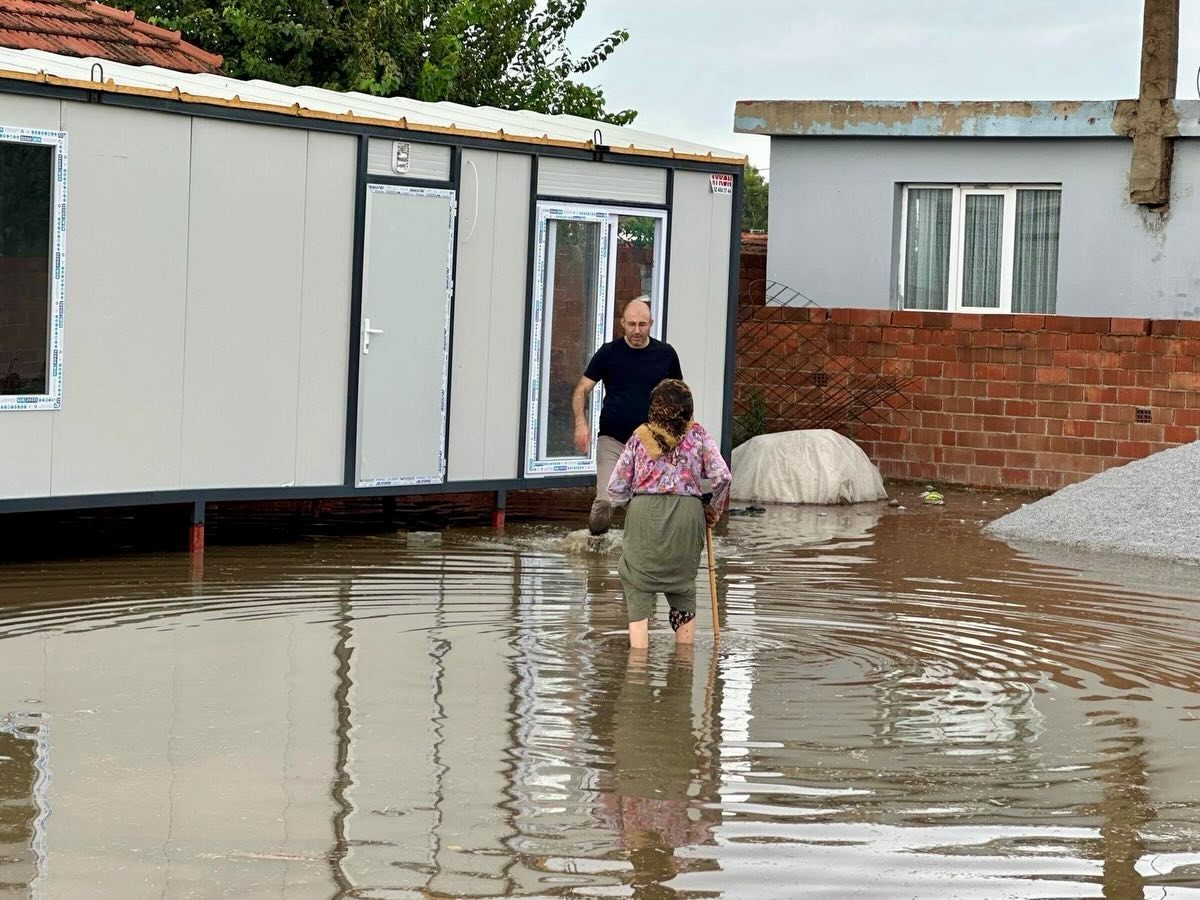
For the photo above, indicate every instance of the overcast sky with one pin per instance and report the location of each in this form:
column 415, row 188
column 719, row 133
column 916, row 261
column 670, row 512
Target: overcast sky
column 688, row 61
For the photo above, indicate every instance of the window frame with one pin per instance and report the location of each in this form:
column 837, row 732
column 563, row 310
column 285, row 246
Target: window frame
column 958, row 206
column 607, row 216
column 657, row 300
column 55, row 302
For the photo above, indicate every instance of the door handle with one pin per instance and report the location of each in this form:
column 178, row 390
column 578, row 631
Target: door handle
column 367, row 332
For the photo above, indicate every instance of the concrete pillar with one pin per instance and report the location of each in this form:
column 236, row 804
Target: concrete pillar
column 1153, row 123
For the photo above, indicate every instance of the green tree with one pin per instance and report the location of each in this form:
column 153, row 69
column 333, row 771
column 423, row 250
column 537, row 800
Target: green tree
column 510, row 54
column 754, row 200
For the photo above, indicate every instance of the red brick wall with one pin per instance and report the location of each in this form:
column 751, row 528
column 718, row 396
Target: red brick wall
column 752, row 279
column 631, row 262
column 998, row 400
column 568, row 343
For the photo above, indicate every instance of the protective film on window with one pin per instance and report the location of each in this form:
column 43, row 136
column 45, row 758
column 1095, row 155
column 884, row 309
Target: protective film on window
column 33, row 173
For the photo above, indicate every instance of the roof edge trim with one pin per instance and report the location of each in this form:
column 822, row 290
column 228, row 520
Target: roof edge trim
column 299, row 111
column 969, row 118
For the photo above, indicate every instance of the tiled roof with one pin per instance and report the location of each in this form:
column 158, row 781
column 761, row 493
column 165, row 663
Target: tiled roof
column 88, row 29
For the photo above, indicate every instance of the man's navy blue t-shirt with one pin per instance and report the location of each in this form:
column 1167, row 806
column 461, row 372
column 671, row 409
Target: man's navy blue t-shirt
column 629, row 376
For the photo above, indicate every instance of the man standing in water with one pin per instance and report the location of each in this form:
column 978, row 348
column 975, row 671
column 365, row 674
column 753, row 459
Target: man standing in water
column 630, row 367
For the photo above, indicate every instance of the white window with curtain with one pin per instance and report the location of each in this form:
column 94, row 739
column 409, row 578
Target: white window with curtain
column 986, row 248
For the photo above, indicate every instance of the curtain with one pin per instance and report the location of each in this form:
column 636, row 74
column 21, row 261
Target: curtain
column 983, row 224
column 1035, row 264
column 927, row 249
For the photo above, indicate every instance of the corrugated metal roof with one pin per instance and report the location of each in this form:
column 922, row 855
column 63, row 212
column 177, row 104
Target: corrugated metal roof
column 396, row 112
column 86, row 28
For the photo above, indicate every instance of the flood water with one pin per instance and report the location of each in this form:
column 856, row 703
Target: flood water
column 897, row 707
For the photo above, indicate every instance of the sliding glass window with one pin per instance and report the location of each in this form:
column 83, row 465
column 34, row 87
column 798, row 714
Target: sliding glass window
column 589, row 262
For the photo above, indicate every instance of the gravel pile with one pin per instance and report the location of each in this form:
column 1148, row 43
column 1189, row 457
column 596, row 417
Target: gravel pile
column 1147, row 508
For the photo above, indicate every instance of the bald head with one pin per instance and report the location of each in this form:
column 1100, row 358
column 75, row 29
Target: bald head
column 636, row 322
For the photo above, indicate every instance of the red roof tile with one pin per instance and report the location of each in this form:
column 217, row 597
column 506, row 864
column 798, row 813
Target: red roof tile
column 86, row 28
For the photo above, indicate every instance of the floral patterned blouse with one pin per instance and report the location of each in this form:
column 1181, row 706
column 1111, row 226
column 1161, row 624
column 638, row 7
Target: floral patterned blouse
column 677, row 472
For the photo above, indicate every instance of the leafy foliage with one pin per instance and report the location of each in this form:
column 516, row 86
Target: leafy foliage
column 638, row 230
column 754, row 201
column 752, row 421
column 510, row 54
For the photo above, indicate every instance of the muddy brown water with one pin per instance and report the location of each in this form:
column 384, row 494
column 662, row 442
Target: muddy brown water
column 897, row 707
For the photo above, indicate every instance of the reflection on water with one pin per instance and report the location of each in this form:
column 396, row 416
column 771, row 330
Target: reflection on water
column 897, row 708
column 23, row 807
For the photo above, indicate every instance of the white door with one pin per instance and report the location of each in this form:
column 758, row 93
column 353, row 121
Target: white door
column 405, row 344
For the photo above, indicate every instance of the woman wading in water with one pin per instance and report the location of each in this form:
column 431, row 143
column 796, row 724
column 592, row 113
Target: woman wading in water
column 659, row 474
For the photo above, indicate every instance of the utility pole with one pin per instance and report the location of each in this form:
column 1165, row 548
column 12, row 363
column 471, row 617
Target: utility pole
column 1153, row 122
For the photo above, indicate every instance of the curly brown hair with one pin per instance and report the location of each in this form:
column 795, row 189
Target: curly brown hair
column 671, row 409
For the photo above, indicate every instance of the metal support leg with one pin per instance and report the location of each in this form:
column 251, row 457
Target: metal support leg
column 499, row 509
column 196, row 529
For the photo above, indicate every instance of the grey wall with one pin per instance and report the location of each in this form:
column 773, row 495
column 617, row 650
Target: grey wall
column 431, row 161
column 834, row 218
column 489, row 316
column 208, row 278
column 123, row 332
column 604, row 181
column 325, row 308
column 699, row 291
column 248, row 215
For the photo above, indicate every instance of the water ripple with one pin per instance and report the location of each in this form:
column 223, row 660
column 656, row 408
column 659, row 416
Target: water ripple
column 896, row 707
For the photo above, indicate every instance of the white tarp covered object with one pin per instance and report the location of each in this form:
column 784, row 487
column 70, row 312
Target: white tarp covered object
column 813, row 466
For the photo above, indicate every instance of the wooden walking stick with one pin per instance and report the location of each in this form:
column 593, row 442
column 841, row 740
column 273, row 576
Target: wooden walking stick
column 712, row 582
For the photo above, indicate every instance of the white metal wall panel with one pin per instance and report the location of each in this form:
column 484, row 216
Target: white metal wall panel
column 26, row 435
column 699, row 301
column 245, row 258
column 30, row 112
column 601, row 181
column 325, row 313
column 127, row 223
column 489, row 316
column 430, row 161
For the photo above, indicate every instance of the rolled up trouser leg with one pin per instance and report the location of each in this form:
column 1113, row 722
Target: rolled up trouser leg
column 608, row 451
column 639, row 604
